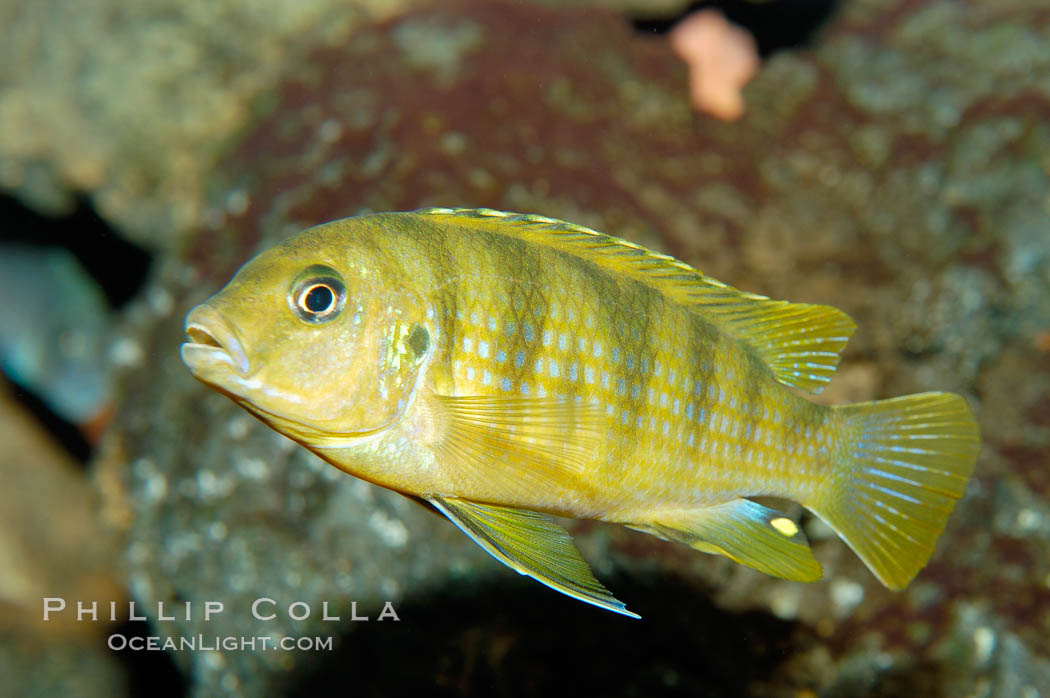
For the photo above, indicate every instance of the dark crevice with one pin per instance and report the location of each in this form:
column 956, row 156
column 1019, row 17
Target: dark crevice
column 775, row 24
column 67, row 435
column 120, row 267
column 514, row 637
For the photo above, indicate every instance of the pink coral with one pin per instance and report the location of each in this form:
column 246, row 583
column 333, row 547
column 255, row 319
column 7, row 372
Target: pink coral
column 721, row 57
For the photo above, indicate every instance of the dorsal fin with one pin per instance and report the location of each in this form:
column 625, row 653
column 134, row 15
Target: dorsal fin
column 799, row 342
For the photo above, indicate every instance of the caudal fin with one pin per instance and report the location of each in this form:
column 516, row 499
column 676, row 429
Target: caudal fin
column 905, row 462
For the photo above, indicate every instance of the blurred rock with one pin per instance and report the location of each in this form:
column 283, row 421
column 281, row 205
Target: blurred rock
column 133, row 102
column 52, row 545
column 51, row 540
column 36, row 668
column 54, row 328
column 898, row 170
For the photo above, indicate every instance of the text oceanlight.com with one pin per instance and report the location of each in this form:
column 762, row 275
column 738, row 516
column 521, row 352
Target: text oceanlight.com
column 228, row 643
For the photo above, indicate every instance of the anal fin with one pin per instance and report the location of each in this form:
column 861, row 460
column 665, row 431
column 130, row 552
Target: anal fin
column 745, row 532
column 530, row 543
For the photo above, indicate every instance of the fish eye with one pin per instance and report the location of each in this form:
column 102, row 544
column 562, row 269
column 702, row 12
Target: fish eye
column 317, row 296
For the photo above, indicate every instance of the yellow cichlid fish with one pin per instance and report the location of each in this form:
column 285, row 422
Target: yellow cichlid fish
column 503, row 367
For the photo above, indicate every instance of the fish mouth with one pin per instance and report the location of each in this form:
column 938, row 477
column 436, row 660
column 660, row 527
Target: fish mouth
column 212, row 342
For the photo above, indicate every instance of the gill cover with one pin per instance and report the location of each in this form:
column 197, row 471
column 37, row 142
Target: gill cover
column 383, row 376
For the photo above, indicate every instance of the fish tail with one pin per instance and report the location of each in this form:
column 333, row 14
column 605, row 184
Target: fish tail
column 902, row 464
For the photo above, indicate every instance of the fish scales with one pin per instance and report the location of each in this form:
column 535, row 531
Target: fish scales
column 555, row 325
column 501, row 367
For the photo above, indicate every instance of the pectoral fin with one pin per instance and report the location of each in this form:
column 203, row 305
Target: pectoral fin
column 743, row 531
column 532, row 444
column 530, row 543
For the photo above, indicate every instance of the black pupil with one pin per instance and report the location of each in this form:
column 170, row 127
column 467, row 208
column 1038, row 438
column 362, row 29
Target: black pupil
column 318, row 299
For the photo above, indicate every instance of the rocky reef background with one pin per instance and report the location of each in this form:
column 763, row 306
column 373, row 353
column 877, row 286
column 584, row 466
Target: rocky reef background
column 896, row 166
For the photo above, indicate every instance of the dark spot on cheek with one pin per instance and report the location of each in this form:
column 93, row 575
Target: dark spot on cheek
column 419, row 341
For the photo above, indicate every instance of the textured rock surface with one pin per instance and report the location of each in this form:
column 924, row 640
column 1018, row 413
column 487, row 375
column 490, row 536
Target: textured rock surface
column 52, row 544
column 898, row 170
column 131, row 102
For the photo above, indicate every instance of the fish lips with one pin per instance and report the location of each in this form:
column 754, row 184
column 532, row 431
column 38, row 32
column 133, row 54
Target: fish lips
column 213, row 346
